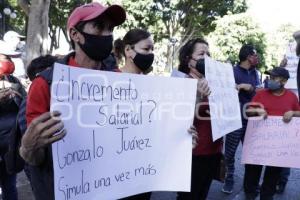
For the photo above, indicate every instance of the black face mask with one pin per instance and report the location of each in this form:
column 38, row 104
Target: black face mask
column 200, row 66
column 143, row 61
column 96, row 47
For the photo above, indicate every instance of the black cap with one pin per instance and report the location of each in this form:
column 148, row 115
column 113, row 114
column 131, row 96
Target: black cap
column 279, row 72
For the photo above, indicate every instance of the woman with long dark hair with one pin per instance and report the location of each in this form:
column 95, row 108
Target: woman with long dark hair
column 207, row 154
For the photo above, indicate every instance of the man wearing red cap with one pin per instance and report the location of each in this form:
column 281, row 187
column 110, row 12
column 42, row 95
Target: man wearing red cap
column 90, row 28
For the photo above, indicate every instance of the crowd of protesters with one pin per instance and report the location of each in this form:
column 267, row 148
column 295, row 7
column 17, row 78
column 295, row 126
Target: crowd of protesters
column 90, row 28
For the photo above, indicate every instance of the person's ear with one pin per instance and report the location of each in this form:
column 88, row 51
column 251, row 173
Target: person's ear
column 74, row 35
column 284, row 81
column 128, row 51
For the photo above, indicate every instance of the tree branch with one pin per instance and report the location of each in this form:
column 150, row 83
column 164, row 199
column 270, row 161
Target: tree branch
column 24, row 4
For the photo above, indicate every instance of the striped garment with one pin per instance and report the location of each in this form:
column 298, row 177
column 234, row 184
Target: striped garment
column 231, row 143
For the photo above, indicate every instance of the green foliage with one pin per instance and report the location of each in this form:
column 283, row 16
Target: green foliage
column 232, row 31
column 181, row 18
column 277, row 43
column 165, row 19
column 61, row 9
column 17, row 24
column 58, row 17
column 58, row 14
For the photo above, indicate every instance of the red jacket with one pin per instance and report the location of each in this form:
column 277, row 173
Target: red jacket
column 38, row 98
column 205, row 145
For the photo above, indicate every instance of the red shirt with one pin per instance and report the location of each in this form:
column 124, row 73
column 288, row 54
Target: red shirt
column 277, row 105
column 38, row 99
column 205, row 145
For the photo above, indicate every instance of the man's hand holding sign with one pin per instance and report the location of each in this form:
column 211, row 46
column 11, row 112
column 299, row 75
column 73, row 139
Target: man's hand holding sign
column 122, row 133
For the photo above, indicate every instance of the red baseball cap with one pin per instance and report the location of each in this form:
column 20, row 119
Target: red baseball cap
column 93, row 10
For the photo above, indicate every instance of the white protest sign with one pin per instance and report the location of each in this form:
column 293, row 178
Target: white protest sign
column 126, row 134
column 272, row 142
column 178, row 74
column 292, row 65
column 223, row 101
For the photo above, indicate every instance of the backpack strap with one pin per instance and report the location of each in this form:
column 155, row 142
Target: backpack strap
column 66, row 59
column 21, row 117
column 47, row 74
column 13, row 79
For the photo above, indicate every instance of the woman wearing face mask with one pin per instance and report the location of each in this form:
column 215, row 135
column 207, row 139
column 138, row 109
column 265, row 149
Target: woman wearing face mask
column 207, row 154
column 274, row 101
column 137, row 48
column 138, row 51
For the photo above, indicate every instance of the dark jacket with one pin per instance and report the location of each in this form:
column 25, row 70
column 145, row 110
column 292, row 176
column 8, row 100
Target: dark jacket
column 8, row 113
column 250, row 76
